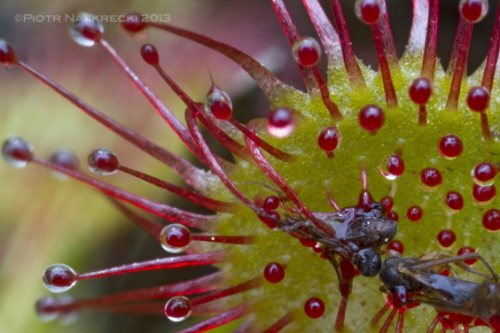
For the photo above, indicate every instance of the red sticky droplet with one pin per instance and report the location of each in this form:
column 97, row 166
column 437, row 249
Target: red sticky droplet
column 133, row 22
column 89, row 27
column 7, row 55
column 314, row 307
column 396, row 245
column 272, row 202
column 17, row 152
column 64, row 158
column 48, row 307
column 459, row 318
column 483, row 194
column 393, row 216
column 495, row 322
column 368, row 11
column 450, row 146
column 219, row 103
column 150, row 54
column 60, row 276
column 395, row 165
column 103, row 161
column 178, row 308
column 478, row 99
column 420, row 90
column 473, row 10
column 306, row 51
column 371, row 117
column 178, row 236
column 445, row 273
column 454, row 200
column 280, row 122
column 365, row 201
column 387, row 202
column 274, row 272
column 467, row 250
column 431, row 177
column 347, row 269
column 491, row 220
column 307, row 242
column 329, row 138
column 271, row 220
column 446, row 238
column 484, row 172
column 414, row 213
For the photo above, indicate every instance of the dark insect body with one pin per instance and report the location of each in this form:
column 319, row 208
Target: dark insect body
column 425, row 280
column 355, row 234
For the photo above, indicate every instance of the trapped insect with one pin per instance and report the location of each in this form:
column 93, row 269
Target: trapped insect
column 355, row 234
column 424, row 280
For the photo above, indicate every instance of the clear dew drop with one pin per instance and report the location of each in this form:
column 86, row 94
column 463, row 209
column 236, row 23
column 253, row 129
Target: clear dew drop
column 85, row 21
column 59, row 278
column 17, row 152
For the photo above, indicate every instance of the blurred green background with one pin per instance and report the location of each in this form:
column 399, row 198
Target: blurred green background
column 45, row 221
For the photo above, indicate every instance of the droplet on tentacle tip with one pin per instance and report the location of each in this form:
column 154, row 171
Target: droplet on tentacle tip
column 314, row 307
column 391, row 167
column 484, row 174
column 59, row 278
column 103, row 162
column 219, row 103
column 371, row 118
column 178, row 308
column 450, row 146
column 17, row 152
column 420, row 90
column 133, row 23
column 281, row 122
column 306, row 51
column 175, row 238
column 274, row 272
column 7, row 54
column 473, row 11
column 369, row 11
column 66, row 158
column 86, row 30
column 329, row 138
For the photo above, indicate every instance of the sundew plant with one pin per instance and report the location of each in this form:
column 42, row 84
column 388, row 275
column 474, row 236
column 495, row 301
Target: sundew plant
column 298, row 219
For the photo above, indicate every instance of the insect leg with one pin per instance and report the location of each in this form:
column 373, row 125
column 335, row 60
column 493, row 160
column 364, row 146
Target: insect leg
column 345, row 273
column 458, row 260
column 388, row 321
column 461, row 264
column 379, row 315
column 401, row 320
column 433, row 325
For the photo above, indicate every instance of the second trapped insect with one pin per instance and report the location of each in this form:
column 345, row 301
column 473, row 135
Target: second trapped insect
column 424, row 280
